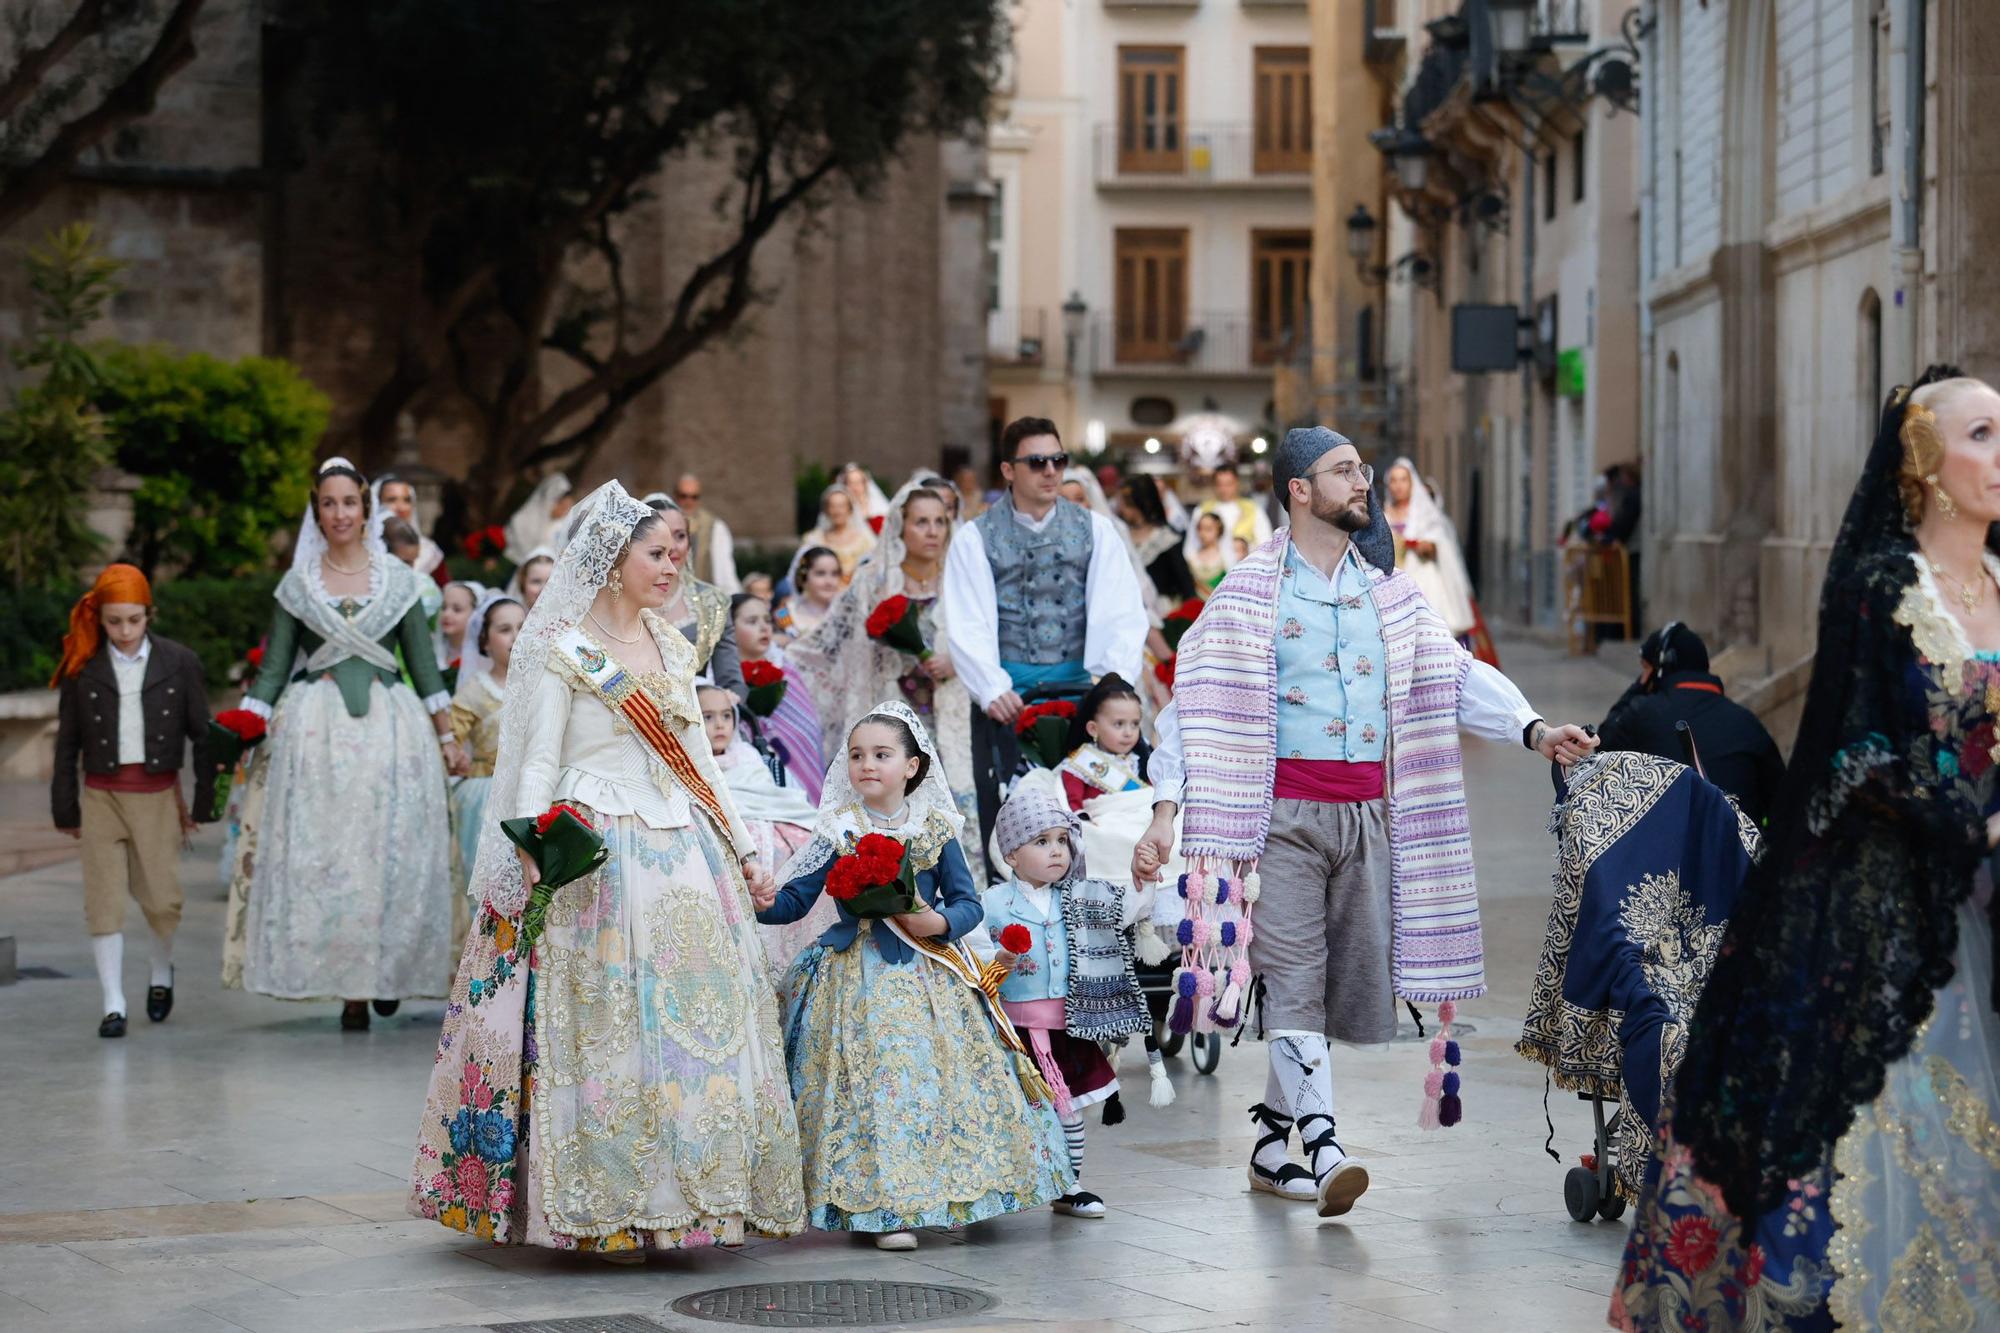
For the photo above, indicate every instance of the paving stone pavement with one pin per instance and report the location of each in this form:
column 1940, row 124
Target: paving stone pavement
column 240, row 1167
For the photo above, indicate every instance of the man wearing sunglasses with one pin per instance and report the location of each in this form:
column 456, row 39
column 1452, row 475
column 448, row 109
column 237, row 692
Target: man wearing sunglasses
column 711, row 547
column 1332, row 765
column 1038, row 591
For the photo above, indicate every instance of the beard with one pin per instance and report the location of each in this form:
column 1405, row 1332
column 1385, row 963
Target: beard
column 1352, row 516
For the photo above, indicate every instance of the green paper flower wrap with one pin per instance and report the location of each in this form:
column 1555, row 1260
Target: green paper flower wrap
column 566, row 848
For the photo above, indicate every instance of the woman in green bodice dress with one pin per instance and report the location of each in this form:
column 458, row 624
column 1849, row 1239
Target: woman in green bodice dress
column 342, row 885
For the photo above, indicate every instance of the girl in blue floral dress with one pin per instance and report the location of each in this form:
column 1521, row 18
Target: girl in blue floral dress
column 918, row 1104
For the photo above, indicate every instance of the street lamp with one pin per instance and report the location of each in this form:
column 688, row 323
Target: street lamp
column 1360, row 234
column 1073, row 311
column 1512, row 26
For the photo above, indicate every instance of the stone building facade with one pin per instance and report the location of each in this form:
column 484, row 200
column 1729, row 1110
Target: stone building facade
column 245, row 234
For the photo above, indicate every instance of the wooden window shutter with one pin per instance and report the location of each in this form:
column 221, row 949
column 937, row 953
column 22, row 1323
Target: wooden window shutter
column 1283, row 110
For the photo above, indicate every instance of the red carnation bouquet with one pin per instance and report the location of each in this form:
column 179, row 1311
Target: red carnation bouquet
column 231, row 733
column 488, row 543
column 1043, row 731
column 1173, row 628
column 566, row 847
column 875, row 879
column 767, row 686
column 894, row 623
column 1016, row 938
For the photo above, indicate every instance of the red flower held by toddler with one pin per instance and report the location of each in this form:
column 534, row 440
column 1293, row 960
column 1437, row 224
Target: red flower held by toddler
column 1016, row 938
column 759, row 673
column 546, row 820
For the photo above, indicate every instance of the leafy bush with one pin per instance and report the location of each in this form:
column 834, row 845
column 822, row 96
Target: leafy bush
column 223, row 451
column 220, row 619
column 32, row 623
column 52, row 442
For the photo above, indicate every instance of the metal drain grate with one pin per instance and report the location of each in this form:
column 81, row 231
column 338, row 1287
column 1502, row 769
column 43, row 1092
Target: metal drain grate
column 830, row 1304
column 39, row 973
column 601, row 1323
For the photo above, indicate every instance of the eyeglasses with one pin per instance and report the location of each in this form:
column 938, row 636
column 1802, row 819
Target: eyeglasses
column 687, row 495
column 1044, row 462
column 1347, row 472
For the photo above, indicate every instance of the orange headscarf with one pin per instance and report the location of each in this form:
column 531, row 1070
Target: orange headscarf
column 118, row 583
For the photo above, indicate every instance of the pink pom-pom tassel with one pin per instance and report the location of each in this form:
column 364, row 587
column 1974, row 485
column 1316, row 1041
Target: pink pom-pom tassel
column 1437, row 1050
column 1448, row 1011
column 1428, row 1117
column 1434, row 1085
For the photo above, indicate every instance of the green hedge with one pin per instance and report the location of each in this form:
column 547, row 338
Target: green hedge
column 220, row 619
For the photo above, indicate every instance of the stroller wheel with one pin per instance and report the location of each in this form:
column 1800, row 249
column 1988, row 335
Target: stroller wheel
column 1612, row 1208
column 1170, row 1043
column 1580, row 1194
column 1207, row 1052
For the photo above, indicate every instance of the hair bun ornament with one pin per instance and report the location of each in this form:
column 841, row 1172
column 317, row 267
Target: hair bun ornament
column 335, row 462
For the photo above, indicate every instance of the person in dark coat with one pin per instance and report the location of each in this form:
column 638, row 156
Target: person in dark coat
column 1675, row 685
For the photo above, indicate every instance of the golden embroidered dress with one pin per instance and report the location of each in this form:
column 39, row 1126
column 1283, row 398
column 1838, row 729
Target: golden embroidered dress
column 623, row 1086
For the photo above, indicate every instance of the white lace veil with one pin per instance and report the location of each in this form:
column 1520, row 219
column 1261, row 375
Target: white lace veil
column 838, row 801
column 311, row 544
column 471, row 661
column 529, row 527
column 600, row 530
column 1424, row 522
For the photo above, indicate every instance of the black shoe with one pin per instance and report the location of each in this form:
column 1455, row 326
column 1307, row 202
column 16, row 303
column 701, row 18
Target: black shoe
column 112, row 1026
column 160, row 1000
column 354, row 1016
column 387, row 1007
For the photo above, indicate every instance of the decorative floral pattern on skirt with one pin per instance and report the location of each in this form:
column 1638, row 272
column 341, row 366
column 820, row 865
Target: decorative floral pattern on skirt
column 910, row 1110
column 638, row 1058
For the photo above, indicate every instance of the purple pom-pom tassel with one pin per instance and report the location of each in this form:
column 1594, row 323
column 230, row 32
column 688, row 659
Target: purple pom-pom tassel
column 1221, row 890
column 1448, row 1085
column 1450, row 1111
column 1185, row 933
column 1228, row 934
column 1185, row 982
column 1181, row 1020
column 1451, row 1052
column 1180, row 886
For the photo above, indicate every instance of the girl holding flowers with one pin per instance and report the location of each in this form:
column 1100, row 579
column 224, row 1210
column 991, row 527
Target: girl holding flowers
column 919, row 1105
column 785, row 715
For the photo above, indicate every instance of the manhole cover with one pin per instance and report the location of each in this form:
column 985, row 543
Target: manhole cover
column 602, row 1323
column 40, row 974
column 830, row 1304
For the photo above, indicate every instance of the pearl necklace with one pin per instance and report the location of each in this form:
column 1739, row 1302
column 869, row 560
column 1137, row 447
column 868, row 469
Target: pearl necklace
column 1969, row 594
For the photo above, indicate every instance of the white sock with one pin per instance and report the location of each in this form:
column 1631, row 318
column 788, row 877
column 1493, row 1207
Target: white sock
column 1302, row 1063
column 162, row 959
column 1073, row 1134
column 109, row 950
column 1273, row 1155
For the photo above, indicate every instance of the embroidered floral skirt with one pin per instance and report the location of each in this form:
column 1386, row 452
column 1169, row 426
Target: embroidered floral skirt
column 626, row 1089
column 1900, row 1231
column 910, row 1110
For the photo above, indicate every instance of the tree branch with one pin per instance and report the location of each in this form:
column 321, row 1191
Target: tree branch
column 35, row 64
column 132, row 98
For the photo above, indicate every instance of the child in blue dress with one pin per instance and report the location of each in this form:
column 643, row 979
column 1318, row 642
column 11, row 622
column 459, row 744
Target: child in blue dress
column 918, row 1104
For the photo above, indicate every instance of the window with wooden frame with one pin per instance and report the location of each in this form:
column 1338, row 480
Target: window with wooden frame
column 1151, row 293
column 1283, row 110
column 1280, row 283
column 1152, row 112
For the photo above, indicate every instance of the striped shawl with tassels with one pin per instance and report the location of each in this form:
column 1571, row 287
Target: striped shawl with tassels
column 1226, row 688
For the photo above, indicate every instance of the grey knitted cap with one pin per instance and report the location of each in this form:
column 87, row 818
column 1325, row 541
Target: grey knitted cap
column 1305, row 446
column 1032, row 810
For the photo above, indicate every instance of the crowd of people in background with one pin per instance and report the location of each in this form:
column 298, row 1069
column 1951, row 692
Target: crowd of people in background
column 762, row 901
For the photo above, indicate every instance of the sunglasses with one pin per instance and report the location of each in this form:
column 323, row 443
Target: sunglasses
column 1044, row 462
column 687, row 495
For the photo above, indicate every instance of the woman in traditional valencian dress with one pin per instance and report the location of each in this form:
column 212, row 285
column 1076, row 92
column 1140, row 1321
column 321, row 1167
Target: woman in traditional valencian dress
column 1832, row 1156
column 342, row 884
column 700, row 611
column 1427, row 550
column 849, row 672
column 475, row 720
column 841, row 529
column 622, row 1086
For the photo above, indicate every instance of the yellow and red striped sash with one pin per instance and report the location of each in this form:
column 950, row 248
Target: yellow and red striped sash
column 619, row 692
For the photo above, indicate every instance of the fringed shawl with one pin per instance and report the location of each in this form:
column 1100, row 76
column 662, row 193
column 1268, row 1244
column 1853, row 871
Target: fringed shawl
column 1226, row 686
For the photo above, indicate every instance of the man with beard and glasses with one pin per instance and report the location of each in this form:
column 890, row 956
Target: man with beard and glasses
column 1287, row 760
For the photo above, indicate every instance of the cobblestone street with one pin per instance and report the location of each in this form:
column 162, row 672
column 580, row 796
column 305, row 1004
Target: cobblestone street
column 242, row 1166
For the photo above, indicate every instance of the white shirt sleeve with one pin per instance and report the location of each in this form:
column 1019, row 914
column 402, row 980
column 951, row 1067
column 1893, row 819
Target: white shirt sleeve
column 1490, row 705
column 1167, row 769
column 1114, row 638
column 722, row 558
column 1264, row 529
column 972, row 617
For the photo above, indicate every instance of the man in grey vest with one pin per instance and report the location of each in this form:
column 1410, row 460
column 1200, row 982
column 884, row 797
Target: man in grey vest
column 1039, row 593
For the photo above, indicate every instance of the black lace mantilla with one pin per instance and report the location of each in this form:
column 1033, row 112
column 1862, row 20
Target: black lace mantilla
column 1847, row 927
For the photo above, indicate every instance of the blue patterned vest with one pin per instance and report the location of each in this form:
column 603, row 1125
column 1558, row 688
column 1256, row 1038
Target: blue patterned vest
column 1332, row 673
column 1041, row 581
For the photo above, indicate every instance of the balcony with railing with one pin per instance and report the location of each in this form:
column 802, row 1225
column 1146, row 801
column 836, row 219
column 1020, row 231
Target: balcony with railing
column 1016, row 336
column 1150, row 155
column 1194, row 346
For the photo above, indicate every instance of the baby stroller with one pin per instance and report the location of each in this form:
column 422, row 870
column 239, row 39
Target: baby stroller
column 1650, row 860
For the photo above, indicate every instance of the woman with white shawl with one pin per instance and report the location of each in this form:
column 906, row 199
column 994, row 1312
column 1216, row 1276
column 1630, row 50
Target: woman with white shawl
column 1427, row 547
column 848, row 672
column 621, row 1085
column 538, row 524
column 342, row 882
column 395, row 496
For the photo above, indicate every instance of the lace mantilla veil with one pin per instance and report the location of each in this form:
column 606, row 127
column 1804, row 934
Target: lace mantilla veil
column 311, row 544
column 600, row 530
column 838, row 800
column 471, row 661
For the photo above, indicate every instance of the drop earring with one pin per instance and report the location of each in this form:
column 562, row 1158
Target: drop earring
column 1944, row 504
column 617, row 584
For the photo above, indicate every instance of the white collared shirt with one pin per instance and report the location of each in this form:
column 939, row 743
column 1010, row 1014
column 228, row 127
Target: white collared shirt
column 131, row 675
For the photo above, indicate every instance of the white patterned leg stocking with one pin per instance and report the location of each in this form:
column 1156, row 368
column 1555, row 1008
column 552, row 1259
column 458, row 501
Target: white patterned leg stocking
column 1302, row 1066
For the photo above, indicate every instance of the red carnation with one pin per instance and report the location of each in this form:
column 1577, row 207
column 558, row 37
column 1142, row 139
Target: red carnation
column 1164, row 671
column 885, row 616
column 895, row 624
column 247, row 726
column 875, row 524
column 1188, row 610
column 1033, row 713
column 843, row 881
column 255, row 657
column 546, row 820
column 759, row 672
column 1016, row 939
column 472, row 545
column 496, row 537
column 455, row 663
